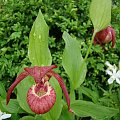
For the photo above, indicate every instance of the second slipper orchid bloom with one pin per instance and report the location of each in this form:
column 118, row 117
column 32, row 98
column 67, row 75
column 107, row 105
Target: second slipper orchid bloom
column 105, row 36
column 40, row 97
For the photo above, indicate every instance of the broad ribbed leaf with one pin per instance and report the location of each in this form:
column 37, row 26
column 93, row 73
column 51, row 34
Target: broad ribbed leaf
column 89, row 93
column 2, row 90
column 66, row 115
column 27, row 118
column 98, row 112
column 38, row 50
column 12, row 107
column 22, row 89
column 100, row 14
column 39, row 117
column 1, row 106
column 55, row 112
column 73, row 61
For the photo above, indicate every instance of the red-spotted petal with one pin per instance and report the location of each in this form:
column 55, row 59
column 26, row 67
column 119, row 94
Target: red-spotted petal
column 41, row 98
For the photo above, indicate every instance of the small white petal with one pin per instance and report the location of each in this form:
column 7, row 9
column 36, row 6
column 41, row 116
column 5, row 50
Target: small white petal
column 114, row 66
column 110, row 80
column 119, row 64
column 118, row 80
column 109, row 72
column 4, row 116
column 114, row 71
column 108, row 64
column 1, row 113
column 118, row 73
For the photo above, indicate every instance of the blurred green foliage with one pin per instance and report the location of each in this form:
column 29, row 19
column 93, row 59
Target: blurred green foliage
column 16, row 19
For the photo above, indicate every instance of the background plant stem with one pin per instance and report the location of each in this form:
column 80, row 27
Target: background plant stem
column 88, row 51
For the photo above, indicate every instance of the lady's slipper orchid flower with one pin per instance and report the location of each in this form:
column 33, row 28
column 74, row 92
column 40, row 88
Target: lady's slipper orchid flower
column 41, row 96
column 3, row 115
column 113, row 72
column 105, row 36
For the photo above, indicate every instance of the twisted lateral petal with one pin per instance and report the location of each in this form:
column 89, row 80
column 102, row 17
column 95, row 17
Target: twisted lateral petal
column 11, row 88
column 62, row 85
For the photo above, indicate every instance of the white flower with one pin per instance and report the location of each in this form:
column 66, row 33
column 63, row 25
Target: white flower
column 110, row 66
column 3, row 115
column 113, row 72
column 119, row 64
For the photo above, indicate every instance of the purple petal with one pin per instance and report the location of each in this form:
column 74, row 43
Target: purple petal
column 39, row 72
column 62, row 85
column 11, row 88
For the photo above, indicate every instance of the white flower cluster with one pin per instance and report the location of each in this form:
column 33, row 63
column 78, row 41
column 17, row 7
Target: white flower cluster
column 3, row 115
column 114, row 73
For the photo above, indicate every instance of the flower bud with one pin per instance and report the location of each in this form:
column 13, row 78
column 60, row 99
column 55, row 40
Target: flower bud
column 105, row 36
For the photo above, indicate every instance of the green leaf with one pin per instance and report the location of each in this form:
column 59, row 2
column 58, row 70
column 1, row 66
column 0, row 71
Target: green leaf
column 66, row 115
column 98, row 112
column 2, row 90
column 38, row 50
column 100, row 14
column 73, row 61
column 27, row 118
column 55, row 112
column 1, row 106
column 39, row 117
column 12, row 107
column 15, row 116
column 15, row 35
column 90, row 93
column 22, row 89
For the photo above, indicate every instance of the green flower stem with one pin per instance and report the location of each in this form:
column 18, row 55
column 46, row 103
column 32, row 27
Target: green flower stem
column 88, row 51
column 72, row 94
column 110, row 88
